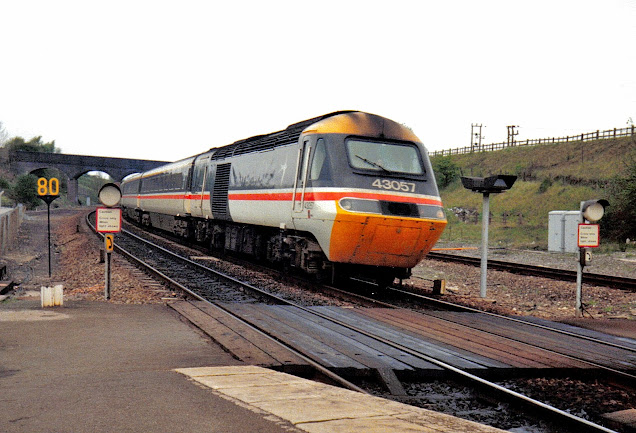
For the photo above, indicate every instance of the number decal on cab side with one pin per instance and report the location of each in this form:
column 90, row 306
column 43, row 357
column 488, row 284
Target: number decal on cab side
column 394, row 185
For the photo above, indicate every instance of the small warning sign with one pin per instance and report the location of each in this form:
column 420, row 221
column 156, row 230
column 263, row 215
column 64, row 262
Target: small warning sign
column 109, row 242
column 588, row 235
column 108, row 220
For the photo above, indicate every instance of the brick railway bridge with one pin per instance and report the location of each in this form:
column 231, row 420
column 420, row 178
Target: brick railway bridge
column 74, row 166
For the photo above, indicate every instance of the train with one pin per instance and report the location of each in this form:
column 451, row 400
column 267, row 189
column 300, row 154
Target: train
column 345, row 194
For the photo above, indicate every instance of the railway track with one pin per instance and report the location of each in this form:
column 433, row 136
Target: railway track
column 210, row 285
column 622, row 283
column 224, row 284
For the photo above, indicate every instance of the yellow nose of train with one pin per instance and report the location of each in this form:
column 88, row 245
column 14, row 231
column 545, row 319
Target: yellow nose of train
column 382, row 240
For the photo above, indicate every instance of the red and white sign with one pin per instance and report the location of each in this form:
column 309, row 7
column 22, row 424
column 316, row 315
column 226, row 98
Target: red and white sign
column 588, row 236
column 108, row 220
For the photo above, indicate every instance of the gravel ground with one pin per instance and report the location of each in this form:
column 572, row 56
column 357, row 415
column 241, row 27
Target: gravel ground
column 532, row 296
column 76, row 264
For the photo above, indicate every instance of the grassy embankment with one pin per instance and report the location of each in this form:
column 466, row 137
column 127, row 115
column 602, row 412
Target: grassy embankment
column 550, row 177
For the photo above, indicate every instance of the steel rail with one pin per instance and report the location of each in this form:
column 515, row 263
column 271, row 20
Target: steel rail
column 178, row 286
column 623, row 283
column 617, row 373
column 457, row 307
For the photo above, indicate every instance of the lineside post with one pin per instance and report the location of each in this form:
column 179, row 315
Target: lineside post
column 108, row 246
column 487, row 186
column 588, row 237
column 484, row 244
column 48, row 190
column 108, row 221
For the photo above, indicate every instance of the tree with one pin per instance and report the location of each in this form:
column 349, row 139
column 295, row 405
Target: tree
column 446, row 171
column 25, row 191
column 620, row 223
column 33, row 145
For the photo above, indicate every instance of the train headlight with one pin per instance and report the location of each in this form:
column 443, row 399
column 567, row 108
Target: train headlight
column 432, row 212
column 360, row 205
column 346, row 204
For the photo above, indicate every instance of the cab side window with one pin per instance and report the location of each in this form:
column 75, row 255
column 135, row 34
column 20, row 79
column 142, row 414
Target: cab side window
column 319, row 167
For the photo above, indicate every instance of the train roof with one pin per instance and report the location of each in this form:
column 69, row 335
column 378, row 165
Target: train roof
column 287, row 136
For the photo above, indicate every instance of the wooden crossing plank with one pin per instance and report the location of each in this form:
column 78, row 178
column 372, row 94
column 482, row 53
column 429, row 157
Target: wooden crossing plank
column 575, row 328
column 518, row 332
column 272, row 348
column 305, row 343
column 293, row 317
column 516, row 354
column 466, row 340
column 568, row 345
column 453, row 356
column 525, row 355
column 360, row 347
column 235, row 337
column 440, row 332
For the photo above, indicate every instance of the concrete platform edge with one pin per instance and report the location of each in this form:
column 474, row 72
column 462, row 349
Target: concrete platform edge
column 320, row 408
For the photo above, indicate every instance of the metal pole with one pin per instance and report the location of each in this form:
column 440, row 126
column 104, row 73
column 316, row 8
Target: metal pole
column 579, row 283
column 48, row 218
column 107, row 277
column 484, row 243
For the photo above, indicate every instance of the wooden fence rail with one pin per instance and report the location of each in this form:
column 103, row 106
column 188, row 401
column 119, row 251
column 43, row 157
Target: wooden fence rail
column 596, row 135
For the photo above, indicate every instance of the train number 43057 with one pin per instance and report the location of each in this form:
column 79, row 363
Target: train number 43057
column 394, row 185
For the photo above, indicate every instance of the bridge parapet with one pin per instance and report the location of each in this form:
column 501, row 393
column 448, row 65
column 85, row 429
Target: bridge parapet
column 74, row 166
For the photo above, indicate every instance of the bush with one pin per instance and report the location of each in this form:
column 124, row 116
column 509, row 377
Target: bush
column 446, row 171
column 619, row 223
column 545, row 185
column 25, row 191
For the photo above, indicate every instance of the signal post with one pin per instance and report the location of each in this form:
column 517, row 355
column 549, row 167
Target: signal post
column 108, row 221
column 486, row 186
column 587, row 237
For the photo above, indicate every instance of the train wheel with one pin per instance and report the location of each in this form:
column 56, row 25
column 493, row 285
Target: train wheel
column 385, row 280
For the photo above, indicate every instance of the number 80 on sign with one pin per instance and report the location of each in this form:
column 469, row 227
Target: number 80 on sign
column 48, row 186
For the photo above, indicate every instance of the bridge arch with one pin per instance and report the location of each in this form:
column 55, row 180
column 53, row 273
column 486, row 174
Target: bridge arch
column 75, row 166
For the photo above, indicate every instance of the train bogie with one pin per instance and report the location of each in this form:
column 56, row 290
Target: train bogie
column 346, row 191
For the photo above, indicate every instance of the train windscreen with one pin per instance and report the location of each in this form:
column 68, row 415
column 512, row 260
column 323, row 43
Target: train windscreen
column 384, row 157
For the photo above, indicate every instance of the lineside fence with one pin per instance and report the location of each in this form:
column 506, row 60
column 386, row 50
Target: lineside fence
column 596, row 135
column 10, row 220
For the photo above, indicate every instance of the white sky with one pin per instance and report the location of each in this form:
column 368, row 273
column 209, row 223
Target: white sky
column 166, row 79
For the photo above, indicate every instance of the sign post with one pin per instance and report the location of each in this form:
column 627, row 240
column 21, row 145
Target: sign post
column 588, row 237
column 487, row 186
column 108, row 221
column 48, row 190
